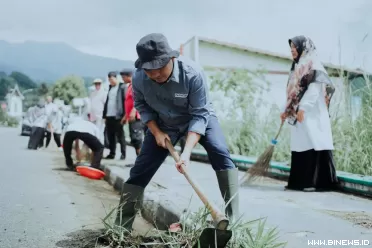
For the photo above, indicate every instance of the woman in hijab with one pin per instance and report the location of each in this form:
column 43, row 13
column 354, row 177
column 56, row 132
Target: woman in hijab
column 309, row 91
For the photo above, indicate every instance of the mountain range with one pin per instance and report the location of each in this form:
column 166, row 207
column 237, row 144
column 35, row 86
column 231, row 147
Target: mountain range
column 48, row 61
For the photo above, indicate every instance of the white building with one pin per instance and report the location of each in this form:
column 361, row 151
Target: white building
column 14, row 100
column 215, row 56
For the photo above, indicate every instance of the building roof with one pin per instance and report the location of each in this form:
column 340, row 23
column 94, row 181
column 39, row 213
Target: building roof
column 272, row 54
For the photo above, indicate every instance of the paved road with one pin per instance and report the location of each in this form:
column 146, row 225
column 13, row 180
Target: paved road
column 41, row 204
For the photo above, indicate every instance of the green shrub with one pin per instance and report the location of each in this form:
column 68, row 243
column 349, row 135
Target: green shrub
column 247, row 131
column 352, row 138
column 6, row 120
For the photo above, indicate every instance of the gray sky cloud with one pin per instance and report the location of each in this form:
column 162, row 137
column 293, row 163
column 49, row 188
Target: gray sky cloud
column 113, row 27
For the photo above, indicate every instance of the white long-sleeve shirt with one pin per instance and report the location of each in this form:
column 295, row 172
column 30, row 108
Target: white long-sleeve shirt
column 84, row 126
column 315, row 131
column 52, row 109
column 40, row 117
column 56, row 121
column 97, row 103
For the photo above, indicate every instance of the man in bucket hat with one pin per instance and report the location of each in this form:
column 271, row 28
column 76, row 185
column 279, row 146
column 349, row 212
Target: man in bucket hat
column 171, row 95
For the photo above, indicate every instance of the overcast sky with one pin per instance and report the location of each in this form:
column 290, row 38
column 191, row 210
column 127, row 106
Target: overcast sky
column 113, row 27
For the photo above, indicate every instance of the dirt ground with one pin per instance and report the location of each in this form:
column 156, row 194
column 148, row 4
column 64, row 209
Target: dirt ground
column 101, row 191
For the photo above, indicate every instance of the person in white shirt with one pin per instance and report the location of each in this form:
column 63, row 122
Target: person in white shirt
column 50, row 108
column 86, row 131
column 29, row 115
column 97, row 102
column 40, row 120
column 86, row 108
column 309, row 91
column 54, row 110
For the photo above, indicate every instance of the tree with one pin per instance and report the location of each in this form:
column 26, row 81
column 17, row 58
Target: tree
column 68, row 88
column 24, row 82
column 43, row 89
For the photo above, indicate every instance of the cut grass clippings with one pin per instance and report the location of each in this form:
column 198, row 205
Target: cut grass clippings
column 246, row 234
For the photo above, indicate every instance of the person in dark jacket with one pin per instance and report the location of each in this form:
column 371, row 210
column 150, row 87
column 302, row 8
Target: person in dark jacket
column 114, row 116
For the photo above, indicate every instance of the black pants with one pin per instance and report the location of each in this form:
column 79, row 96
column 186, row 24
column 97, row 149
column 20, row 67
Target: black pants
column 56, row 136
column 136, row 130
column 41, row 143
column 36, row 137
column 115, row 132
column 91, row 141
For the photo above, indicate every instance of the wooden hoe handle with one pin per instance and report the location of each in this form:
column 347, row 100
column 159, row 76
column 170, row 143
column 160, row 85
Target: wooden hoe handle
column 220, row 220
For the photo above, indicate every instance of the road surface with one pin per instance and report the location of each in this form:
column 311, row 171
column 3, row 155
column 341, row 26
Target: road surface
column 44, row 206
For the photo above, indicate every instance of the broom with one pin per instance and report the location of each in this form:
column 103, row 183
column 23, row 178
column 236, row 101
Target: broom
column 262, row 164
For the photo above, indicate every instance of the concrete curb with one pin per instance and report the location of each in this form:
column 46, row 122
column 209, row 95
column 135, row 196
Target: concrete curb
column 158, row 208
column 353, row 183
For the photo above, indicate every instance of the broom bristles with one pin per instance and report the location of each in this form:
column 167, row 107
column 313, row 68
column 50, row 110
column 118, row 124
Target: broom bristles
column 262, row 165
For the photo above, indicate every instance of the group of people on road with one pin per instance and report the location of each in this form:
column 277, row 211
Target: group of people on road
column 110, row 111
column 46, row 120
column 104, row 118
column 166, row 97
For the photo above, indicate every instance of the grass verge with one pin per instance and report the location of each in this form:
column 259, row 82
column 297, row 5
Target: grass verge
column 246, row 234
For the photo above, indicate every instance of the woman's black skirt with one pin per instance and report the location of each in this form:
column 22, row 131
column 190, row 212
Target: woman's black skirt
column 312, row 169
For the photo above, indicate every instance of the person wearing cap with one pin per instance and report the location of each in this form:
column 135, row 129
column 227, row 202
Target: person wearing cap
column 97, row 102
column 87, row 132
column 171, row 95
column 132, row 116
column 114, row 116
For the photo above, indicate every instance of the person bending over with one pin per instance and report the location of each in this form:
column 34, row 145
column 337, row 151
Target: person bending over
column 88, row 133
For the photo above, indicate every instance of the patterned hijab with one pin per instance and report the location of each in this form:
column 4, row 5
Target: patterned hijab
column 306, row 69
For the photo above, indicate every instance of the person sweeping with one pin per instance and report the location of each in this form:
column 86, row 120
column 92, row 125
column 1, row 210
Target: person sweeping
column 309, row 91
column 171, row 95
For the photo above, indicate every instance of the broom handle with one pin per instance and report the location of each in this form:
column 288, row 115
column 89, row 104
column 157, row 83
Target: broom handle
column 218, row 217
column 280, row 129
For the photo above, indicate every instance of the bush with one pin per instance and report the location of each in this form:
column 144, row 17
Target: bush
column 248, row 133
column 352, row 137
column 6, row 120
